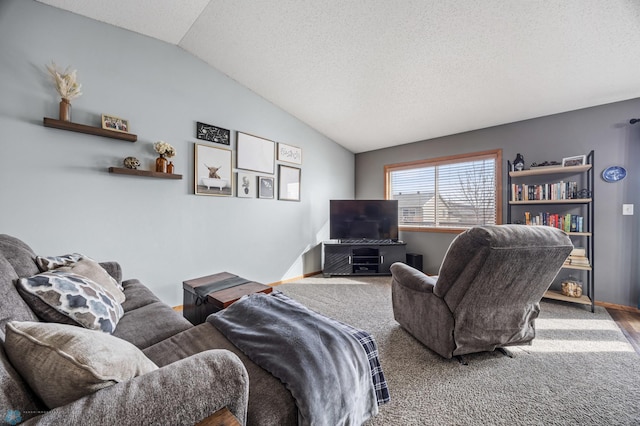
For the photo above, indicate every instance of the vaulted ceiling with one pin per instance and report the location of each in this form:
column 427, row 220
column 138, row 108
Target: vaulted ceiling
column 376, row 73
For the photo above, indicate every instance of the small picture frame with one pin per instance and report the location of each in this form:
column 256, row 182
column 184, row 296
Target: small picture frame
column 117, row 124
column 289, row 153
column 266, row 187
column 246, row 185
column 578, row 160
column 288, row 183
column 208, row 132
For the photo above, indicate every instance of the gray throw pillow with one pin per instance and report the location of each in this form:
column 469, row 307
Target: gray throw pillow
column 62, row 363
column 75, row 297
column 91, row 269
column 49, row 263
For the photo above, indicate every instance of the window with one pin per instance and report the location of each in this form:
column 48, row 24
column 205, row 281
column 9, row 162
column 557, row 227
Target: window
column 447, row 194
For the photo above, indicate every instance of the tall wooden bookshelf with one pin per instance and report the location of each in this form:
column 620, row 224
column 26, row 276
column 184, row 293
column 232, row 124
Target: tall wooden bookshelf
column 544, row 192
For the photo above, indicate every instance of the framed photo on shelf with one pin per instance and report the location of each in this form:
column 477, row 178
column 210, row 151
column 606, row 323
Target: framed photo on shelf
column 208, row 132
column 578, row 160
column 255, row 153
column 288, row 183
column 117, row 124
column 266, row 187
column 212, row 171
column 289, row 154
column 246, row 185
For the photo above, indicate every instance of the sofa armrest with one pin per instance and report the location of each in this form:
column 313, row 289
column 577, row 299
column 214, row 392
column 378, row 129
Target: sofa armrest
column 114, row 269
column 182, row 393
column 409, row 277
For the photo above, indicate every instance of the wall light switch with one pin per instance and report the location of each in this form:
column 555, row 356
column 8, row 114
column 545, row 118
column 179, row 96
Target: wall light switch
column 627, row 209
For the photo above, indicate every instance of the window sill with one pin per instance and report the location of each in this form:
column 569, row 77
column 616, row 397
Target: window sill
column 432, row 229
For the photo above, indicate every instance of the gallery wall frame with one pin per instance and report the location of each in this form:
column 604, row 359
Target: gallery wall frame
column 289, row 153
column 246, row 185
column 266, row 187
column 289, row 183
column 211, row 133
column 213, row 173
column 255, row 153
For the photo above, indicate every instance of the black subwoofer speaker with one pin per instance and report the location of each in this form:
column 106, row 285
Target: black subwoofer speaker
column 415, row 261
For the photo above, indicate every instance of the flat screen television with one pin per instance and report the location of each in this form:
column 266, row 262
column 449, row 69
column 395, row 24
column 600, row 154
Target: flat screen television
column 363, row 219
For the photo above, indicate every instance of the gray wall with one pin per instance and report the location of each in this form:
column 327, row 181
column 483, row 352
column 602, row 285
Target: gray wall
column 57, row 195
column 605, row 129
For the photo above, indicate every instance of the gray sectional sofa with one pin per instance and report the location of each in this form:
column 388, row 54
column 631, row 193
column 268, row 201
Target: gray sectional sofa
column 199, row 370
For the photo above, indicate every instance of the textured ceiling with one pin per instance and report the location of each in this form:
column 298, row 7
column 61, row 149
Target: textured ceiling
column 376, row 73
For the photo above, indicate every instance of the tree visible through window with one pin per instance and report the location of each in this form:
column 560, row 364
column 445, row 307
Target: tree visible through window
column 447, row 194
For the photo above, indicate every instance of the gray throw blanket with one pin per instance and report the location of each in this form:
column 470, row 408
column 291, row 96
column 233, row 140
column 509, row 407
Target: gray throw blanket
column 325, row 369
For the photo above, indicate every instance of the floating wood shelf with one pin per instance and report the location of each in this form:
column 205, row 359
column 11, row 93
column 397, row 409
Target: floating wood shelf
column 91, row 130
column 146, row 173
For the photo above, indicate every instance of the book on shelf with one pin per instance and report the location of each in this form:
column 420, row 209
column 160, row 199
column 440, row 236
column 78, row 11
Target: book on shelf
column 577, row 257
column 578, row 251
column 577, row 261
column 566, row 222
column 546, row 191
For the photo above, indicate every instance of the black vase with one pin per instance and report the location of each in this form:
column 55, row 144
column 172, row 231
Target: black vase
column 518, row 163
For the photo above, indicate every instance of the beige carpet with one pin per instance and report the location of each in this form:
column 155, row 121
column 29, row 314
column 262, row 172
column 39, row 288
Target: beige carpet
column 580, row 369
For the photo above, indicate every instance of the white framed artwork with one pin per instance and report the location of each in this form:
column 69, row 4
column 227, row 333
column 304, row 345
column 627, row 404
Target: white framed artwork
column 255, row 153
column 288, row 183
column 289, row 153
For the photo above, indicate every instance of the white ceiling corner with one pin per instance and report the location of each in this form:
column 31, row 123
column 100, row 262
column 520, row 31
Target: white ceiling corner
column 166, row 20
column 372, row 74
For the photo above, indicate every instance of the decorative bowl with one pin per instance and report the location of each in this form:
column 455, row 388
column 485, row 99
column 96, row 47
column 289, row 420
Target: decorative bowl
column 131, row 163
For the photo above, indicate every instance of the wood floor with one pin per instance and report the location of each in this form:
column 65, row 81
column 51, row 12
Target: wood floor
column 629, row 323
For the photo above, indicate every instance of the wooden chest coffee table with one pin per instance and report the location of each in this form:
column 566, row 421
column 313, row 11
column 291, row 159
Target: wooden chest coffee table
column 206, row 295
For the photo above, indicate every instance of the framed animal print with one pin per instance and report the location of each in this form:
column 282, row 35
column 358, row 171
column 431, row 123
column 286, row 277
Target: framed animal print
column 213, row 174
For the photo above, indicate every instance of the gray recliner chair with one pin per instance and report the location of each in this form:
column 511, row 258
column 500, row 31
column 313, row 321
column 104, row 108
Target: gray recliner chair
column 488, row 290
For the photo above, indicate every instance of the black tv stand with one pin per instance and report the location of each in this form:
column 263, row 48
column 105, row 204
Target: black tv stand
column 367, row 241
column 361, row 257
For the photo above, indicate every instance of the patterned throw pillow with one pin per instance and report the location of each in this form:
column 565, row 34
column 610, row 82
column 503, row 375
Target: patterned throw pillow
column 48, row 263
column 62, row 363
column 73, row 296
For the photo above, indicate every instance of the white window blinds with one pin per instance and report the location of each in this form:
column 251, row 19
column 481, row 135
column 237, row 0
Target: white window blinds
column 455, row 192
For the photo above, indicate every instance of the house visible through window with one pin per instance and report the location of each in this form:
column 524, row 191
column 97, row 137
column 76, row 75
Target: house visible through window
column 448, row 193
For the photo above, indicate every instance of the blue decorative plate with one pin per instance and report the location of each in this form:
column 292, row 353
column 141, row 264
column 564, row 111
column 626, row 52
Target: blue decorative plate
column 614, row 173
